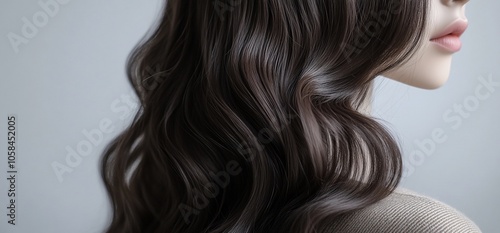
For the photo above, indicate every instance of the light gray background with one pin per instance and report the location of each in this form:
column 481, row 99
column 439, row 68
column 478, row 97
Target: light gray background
column 69, row 78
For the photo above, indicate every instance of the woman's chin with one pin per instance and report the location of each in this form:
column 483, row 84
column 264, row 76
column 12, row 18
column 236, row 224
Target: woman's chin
column 427, row 81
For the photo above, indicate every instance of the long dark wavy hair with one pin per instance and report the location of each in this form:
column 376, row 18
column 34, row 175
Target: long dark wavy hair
column 250, row 115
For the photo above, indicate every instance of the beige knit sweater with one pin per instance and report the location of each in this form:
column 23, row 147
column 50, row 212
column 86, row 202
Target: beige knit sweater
column 405, row 211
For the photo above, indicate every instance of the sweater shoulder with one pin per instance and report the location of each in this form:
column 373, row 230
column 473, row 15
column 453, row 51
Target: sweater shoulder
column 405, row 211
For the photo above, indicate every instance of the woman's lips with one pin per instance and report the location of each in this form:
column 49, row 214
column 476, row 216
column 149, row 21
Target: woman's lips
column 449, row 38
column 449, row 42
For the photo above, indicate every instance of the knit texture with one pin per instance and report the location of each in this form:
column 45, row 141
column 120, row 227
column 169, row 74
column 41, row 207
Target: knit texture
column 404, row 211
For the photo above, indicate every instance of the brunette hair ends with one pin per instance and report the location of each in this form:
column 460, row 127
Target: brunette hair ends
column 250, row 119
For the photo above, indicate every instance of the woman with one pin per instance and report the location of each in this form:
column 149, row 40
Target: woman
column 255, row 117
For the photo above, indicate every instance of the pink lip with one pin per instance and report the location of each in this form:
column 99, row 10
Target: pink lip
column 449, row 39
column 449, row 42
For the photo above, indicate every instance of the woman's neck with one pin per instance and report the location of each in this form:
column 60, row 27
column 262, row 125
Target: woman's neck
column 366, row 106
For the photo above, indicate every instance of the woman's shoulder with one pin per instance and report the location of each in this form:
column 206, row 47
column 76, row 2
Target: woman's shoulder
column 405, row 211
